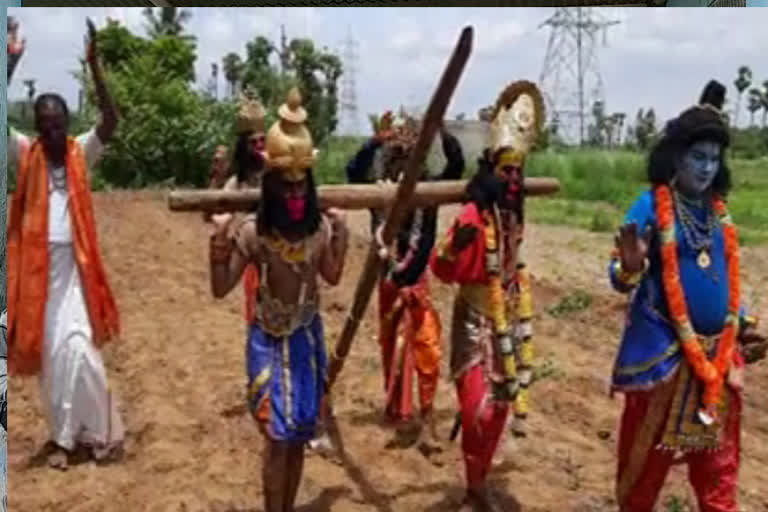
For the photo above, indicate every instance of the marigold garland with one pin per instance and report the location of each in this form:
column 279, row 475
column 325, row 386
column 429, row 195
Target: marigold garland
column 710, row 373
column 496, row 296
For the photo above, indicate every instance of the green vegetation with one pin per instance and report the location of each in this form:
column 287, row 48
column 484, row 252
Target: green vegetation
column 573, row 303
column 169, row 129
column 599, row 186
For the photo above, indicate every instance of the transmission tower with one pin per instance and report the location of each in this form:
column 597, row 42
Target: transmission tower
column 349, row 114
column 570, row 78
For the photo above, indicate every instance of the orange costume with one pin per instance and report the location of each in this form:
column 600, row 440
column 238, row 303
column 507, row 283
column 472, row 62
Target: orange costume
column 60, row 305
column 410, row 333
column 250, row 124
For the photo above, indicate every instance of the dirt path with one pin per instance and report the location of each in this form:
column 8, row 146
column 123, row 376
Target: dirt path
column 192, row 448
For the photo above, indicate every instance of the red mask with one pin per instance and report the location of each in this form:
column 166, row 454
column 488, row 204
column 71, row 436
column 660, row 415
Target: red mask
column 296, row 207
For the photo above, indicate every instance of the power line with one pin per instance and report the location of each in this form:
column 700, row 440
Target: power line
column 570, row 77
column 348, row 117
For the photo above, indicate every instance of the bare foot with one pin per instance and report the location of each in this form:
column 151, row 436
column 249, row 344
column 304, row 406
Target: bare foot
column 108, row 454
column 519, row 427
column 58, row 458
column 480, row 501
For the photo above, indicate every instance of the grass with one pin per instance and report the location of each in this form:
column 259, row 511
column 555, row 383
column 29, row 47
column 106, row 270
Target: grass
column 597, row 187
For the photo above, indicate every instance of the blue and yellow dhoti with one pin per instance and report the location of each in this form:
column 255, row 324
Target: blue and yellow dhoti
column 286, row 379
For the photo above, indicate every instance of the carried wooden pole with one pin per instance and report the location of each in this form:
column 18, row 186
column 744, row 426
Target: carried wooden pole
column 373, row 264
column 345, row 197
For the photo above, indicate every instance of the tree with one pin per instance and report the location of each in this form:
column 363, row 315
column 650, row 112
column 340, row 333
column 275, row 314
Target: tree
column 618, row 120
column 755, row 103
column 742, row 83
column 170, row 22
column 645, row 128
column 233, row 71
column 168, row 131
column 30, row 85
column 315, row 72
column 764, row 101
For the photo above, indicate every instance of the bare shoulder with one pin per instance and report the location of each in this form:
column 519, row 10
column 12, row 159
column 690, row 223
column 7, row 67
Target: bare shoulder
column 245, row 233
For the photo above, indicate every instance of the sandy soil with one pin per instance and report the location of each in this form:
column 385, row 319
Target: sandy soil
column 191, row 446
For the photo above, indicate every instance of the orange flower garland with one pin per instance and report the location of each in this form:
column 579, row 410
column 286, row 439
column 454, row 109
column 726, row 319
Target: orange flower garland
column 710, row 373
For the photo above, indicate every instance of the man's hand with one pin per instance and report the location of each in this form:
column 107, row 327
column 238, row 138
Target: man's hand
column 108, row 124
column 754, row 346
column 633, row 248
column 90, row 42
column 15, row 47
column 221, row 222
column 463, row 237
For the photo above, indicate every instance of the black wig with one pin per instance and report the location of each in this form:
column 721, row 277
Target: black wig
column 243, row 159
column 703, row 122
column 487, row 189
column 273, row 212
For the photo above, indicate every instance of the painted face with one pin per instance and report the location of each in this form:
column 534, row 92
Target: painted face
column 295, row 194
column 51, row 124
column 256, row 144
column 698, row 167
column 509, row 167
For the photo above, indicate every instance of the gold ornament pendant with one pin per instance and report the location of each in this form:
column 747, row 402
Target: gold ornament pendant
column 704, row 260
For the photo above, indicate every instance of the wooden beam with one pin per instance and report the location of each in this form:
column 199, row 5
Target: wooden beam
column 346, row 197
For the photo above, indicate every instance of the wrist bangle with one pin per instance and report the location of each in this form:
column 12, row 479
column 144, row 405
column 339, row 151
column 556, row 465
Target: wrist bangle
column 631, row 278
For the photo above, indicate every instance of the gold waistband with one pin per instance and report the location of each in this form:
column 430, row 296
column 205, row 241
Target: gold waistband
column 477, row 297
column 279, row 319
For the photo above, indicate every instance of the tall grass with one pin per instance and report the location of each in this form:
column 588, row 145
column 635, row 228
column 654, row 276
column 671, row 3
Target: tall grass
column 597, row 187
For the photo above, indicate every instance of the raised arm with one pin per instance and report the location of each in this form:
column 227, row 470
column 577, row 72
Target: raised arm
column 106, row 128
column 229, row 255
column 15, row 47
column 358, row 167
column 454, row 165
column 629, row 260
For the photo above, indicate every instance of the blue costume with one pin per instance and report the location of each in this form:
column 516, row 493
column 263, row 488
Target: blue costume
column 289, row 372
column 650, row 351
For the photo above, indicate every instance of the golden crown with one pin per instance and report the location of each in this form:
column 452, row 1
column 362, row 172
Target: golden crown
column 250, row 115
column 288, row 146
column 517, row 118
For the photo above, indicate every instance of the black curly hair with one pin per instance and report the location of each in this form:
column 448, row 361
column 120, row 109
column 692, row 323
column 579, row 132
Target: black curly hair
column 703, row 122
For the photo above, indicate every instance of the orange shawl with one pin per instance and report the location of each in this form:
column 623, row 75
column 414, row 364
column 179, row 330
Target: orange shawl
column 28, row 257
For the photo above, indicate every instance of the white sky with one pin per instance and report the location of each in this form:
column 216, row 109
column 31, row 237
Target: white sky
column 656, row 57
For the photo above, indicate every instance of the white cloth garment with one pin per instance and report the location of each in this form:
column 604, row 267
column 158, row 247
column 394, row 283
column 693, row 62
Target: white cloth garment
column 79, row 405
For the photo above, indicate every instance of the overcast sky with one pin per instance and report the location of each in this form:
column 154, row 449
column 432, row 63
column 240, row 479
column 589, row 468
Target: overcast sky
column 655, row 57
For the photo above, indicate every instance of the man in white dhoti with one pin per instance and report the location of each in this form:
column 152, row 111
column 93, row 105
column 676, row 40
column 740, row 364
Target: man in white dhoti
column 61, row 308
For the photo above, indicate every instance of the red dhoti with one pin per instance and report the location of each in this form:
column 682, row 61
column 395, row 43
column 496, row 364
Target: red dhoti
column 482, row 423
column 409, row 336
column 641, row 472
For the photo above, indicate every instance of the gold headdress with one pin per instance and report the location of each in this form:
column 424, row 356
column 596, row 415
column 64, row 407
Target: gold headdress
column 289, row 147
column 404, row 130
column 291, row 110
column 517, row 121
column 250, row 115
